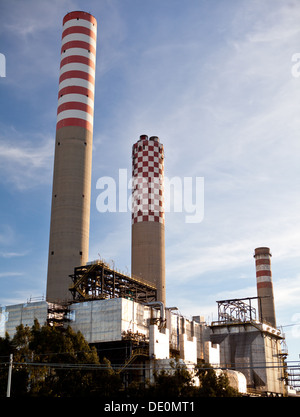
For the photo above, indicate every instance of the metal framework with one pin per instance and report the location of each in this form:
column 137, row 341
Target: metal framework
column 236, row 310
column 98, row 281
column 134, row 355
column 294, row 377
column 57, row 314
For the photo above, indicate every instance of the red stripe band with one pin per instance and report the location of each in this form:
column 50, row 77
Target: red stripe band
column 76, row 89
column 74, row 122
column 75, row 105
column 77, row 58
column 78, row 44
column 263, row 262
column 265, row 284
column 79, row 29
column 80, row 15
column 263, row 273
column 77, row 74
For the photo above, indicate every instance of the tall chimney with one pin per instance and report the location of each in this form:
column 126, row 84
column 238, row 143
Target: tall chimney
column 265, row 295
column 148, row 216
column 70, row 211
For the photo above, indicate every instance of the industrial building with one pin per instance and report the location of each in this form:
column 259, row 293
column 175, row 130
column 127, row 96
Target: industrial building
column 125, row 331
column 249, row 343
column 250, row 346
column 126, row 316
column 123, row 319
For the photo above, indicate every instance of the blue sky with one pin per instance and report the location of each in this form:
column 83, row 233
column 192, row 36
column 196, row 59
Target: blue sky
column 213, row 79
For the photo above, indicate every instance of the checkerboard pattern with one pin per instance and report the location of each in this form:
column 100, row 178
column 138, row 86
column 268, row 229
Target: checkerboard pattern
column 148, row 181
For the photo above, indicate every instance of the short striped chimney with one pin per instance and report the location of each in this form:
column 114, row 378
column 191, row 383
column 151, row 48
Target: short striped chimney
column 70, row 211
column 148, row 215
column 265, row 295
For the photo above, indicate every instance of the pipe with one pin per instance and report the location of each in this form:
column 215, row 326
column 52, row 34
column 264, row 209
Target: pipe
column 161, row 306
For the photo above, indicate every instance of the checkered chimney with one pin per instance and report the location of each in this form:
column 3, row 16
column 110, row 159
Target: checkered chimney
column 148, row 216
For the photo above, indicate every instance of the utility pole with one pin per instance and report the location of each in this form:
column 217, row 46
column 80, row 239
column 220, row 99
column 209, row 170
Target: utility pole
column 9, row 375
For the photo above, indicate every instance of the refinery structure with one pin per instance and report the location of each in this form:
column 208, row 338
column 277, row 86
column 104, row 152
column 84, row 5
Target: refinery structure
column 126, row 317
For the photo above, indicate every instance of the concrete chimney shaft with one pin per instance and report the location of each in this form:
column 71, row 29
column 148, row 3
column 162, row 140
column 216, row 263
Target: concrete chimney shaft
column 70, row 211
column 264, row 284
column 148, row 215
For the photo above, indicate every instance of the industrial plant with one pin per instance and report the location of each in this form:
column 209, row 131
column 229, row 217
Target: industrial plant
column 126, row 316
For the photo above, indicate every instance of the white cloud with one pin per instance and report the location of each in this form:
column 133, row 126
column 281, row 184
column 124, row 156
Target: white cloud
column 287, row 293
column 25, row 164
column 10, row 274
column 7, row 235
column 26, row 19
column 9, row 255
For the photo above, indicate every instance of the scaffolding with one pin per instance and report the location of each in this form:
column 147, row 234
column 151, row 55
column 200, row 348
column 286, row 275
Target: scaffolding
column 236, row 310
column 98, row 281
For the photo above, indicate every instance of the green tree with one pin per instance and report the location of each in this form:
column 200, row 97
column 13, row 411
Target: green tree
column 180, row 382
column 175, row 382
column 213, row 385
column 59, row 349
column 5, row 351
column 21, row 355
column 106, row 383
column 56, row 362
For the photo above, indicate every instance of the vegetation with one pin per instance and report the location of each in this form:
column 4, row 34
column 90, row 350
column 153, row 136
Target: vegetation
column 213, row 385
column 55, row 362
column 179, row 382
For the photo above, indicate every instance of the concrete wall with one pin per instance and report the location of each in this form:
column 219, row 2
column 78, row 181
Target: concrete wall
column 211, row 353
column 98, row 321
column 106, row 320
column 252, row 350
column 14, row 315
column 188, row 348
column 109, row 320
column 158, row 343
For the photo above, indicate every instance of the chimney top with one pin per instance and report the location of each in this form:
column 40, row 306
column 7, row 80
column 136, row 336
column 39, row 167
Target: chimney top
column 262, row 251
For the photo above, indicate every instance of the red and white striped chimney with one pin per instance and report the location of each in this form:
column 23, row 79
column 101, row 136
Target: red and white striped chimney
column 71, row 192
column 77, row 71
column 264, row 284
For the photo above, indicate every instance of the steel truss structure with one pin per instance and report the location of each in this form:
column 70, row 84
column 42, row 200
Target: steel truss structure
column 236, row 310
column 98, row 281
